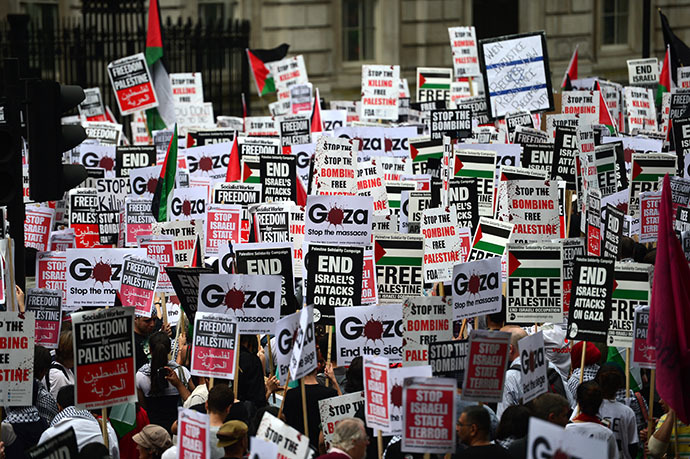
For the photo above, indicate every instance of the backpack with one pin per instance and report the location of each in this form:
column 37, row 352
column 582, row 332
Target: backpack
column 55, row 366
column 554, row 381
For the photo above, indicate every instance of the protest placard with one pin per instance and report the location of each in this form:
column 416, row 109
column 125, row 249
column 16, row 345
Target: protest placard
column 398, row 266
column 138, row 220
column 278, row 177
column 333, row 119
column 640, row 110
column 631, row 289
column 532, row 207
column 143, row 181
column 463, row 44
column 380, row 92
column 253, row 301
column 334, row 278
column 370, row 291
column 490, row 239
column 643, row 355
column 51, row 272
column 376, row 392
column 194, row 438
column 503, row 57
column 455, row 123
column 131, row 81
column 222, row 226
column 532, row 366
column 593, row 221
column 479, row 164
column 425, row 320
column 104, row 357
column 215, row 346
column 291, row 443
column 91, row 108
column 429, row 415
column 94, row 275
column 138, row 284
column 335, row 409
column 160, row 248
column 533, row 292
column 37, row 225
column 370, row 182
column 108, row 134
column 649, row 215
column 303, row 357
column 46, row 305
column 647, row 169
column 476, row 288
column 185, row 282
column 643, row 72
column 369, row 330
column 341, row 220
column 133, row 157
column 433, row 84
column 62, row 445
column 442, row 244
column 590, row 304
column 545, row 439
column 448, row 359
column 271, row 222
column 613, row 232
column 486, row 367
column 413, row 208
column 564, row 153
column 584, row 104
column 209, row 160
column 187, row 88
column 335, row 167
column 462, row 194
column 83, row 216
column 61, row 240
column 295, row 130
column 17, row 367
column 188, row 203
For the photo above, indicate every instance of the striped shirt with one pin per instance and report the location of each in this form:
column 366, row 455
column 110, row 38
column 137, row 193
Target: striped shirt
column 683, row 438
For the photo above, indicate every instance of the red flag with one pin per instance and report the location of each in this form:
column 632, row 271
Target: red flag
column 234, row 174
column 197, row 258
column 571, row 71
column 669, row 317
column 316, row 124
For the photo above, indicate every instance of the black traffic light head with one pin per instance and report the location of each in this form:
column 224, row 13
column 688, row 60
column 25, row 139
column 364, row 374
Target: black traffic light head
column 48, row 139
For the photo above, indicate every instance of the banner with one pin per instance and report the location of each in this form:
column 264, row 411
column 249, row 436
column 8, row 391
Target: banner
column 590, row 310
column 291, row 443
column 426, row 320
column 643, row 355
column 429, row 416
column 17, row 349
column 398, row 266
column 533, row 365
column 253, row 301
column 335, row 409
column 369, row 331
column 533, row 292
column 132, row 84
column 448, row 359
column 193, row 430
column 486, row 368
column 215, row 347
column 631, row 289
column 47, row 308
column 104, row 367
column 376, row 392
column 51, row 270
column 138, row 285
column 339, row 220
column 476, row 288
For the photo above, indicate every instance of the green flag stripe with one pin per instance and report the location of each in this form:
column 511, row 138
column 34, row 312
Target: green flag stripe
column 399, row 261
column 475, row 173
column 606, row 167
column 435, row 86
column 630, row 294
column 489, row 247
column 536, row 272
column 648, row 177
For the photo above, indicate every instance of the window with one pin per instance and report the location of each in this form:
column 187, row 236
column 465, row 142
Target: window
column 211, row 13
column 358, row 30
column 615, row 22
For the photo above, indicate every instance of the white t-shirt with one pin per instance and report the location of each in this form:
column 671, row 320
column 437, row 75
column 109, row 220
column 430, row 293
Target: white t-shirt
column 58, row 379
column 594, row 430
column 622, row 422
column 143, row 379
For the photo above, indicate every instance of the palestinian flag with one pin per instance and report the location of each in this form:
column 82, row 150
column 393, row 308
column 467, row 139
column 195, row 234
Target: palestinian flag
column 664, row 78
column 651, row 167
column 233, row 174
column 605, row 159
column 532, row 262
column 605, row 117
column 160, row 117
column 394, row 189
column 570, row 72
column 258, row 58
column 631, row 289
column 316, row 123
column 251, row 169
column 616, row 355
column 423, row 148
column 160, row 205
column 475, row 163
column 491, row 237
column 434, row 78
column 398, row 249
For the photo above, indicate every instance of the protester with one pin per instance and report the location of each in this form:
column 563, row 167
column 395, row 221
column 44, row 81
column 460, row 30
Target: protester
column 350, row 440
column 591, row 367
column 232, row 437
column 60, row 373
column 513, row 425
column 670, row 432
column 549, row 407
column 512, row 392
column 87, row 428
column 94, row 451
column 620, row 418
column 587, row 422
column 339, row 373
column 162, row 385
column 143, row 327
column 354, row 376
column 472, row 429
column 252, row 387
column 152, row 441
column 200, row 393
column 45, row 403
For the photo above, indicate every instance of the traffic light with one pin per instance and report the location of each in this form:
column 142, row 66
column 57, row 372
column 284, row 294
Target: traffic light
column 49, row 178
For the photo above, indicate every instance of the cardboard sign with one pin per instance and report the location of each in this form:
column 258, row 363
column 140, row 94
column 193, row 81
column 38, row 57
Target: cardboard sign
column 91, row 108
column 138, row 285
column 342, row 220
column 132, row 84
column 303, row 358
column 613, row 232
column 425, row 320
column 188, row 203
column 649, row 215
column 133, row 157
column 476, row 288
column 647, row 169
column 291, row 443
column 480, row 165
column 17, row 347
column 463, row 44
column 433, row 84
column 253, row 301
column 545, row 439
column 37, row 225
column 584, row 104
column 643, row 72
column 564, row 153
column 369, row 331
column 532, row 207
column 643, row 355
column 640, row 110
column 429, row 415
column 376, row 392
column 463, row 195
column 455, row 123
column 335, row 167
column 194, row 434
column 380, row 92
column 448, row 359
column 590, row 310
column 334, row 278
column 104, row 357
column 138, row 220
column 488, row 360
column 160, row 249
column 631, row 289
column 398, row 266
column 215, row 346
column 187, row 88
column 533, row 292
column 94, row 275
column 490, row 239
column 335, row 409
column 47, row 308
column 222, row 226
column 442, row 244
column 533, row 365
column 62, row 445
column 370, row 182
column 504, row 57
column 295, row 131
column 83, row 207
column 51, row 269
